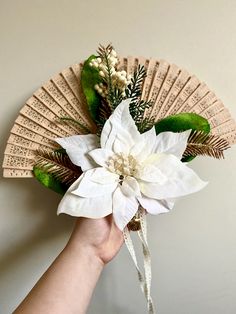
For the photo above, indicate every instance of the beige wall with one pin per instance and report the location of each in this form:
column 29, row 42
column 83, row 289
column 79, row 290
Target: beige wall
column 193, row 247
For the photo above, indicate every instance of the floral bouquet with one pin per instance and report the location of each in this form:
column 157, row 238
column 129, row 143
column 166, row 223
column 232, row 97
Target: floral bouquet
column 132, row 160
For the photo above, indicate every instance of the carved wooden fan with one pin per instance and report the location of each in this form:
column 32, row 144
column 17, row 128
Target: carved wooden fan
column 170, row 88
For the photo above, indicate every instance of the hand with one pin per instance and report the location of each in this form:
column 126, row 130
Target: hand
column 102, row 236
column 68, row 284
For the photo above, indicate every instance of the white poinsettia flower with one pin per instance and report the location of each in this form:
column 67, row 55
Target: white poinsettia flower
column 124, row 168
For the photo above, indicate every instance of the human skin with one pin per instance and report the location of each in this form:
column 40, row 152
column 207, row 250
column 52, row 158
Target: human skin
column 67, row 286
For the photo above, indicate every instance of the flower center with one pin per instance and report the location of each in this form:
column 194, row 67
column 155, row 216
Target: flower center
column 123, row 165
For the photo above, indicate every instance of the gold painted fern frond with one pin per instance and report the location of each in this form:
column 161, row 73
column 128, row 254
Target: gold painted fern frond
column 200, row 143
column 104, row 51
column 59, row 165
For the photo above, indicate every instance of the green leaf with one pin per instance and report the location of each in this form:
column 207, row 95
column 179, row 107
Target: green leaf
column 181, row 122
column 49, row 181
column 89, row 78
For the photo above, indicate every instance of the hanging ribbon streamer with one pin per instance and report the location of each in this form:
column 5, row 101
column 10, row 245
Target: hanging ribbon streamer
column 145, row 280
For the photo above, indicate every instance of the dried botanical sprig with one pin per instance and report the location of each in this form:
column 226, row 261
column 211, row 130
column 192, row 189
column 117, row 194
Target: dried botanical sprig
column 200, row 143
column 58, row 164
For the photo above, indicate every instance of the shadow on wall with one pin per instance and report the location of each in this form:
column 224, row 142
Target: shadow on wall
column 38, row 202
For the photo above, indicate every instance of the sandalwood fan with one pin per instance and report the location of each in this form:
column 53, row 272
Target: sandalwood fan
column 171, row 89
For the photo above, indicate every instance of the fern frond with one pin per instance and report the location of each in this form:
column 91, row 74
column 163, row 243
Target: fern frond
column 104, row 113
column 75, row 122
column 59, row 165
column 200, row 143
column 114, row 95
column 102, row 51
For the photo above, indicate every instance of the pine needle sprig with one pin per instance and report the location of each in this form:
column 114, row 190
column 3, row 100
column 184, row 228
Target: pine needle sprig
column 59, row 165
column 118, row 97
column 200, row 143
column 137, row 106
column 137, row 110
column 134, row 90
column 145, row 125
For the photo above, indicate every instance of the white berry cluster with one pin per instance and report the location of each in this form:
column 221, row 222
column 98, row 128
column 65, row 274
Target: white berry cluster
column 119, row 79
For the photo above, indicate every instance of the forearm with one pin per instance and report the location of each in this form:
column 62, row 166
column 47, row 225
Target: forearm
column 68, row 284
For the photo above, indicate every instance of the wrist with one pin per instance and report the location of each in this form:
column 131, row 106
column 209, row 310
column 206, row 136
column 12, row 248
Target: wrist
column 85, row 251
column 100, row 238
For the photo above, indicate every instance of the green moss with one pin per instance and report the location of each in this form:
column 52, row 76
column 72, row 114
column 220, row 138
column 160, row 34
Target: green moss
column 49, row 181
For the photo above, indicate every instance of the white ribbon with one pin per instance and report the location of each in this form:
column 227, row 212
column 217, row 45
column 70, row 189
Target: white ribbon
column 144, row 280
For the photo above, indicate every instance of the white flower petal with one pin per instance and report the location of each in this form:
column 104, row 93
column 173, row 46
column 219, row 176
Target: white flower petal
column 124, row 208
column 181, row 180
column 172, row 143
column 130, row 187
column 74, row 205
column 88, row 187
column 150, row 172
column 106, row 135
column 104, row 176
column 77, row 147
column 155, row 207
column 145, row 145
column 122, row 141
column 119, row 132
column 100, row 156
column 168, row 203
